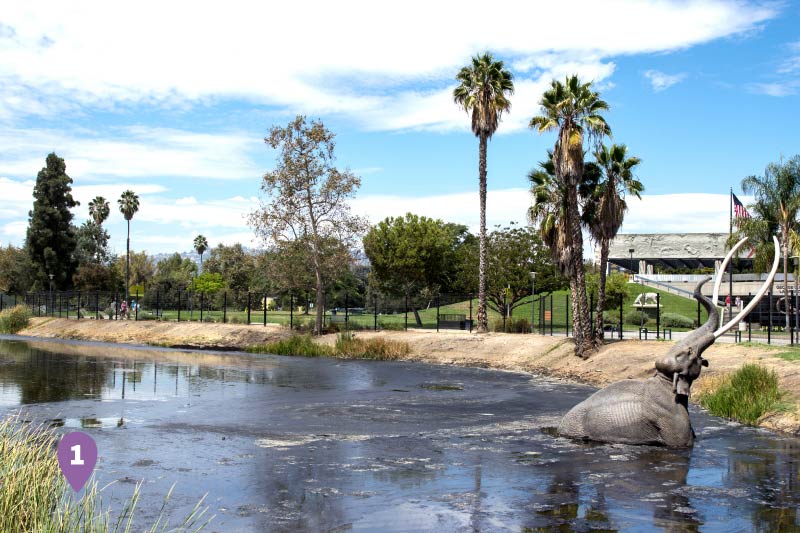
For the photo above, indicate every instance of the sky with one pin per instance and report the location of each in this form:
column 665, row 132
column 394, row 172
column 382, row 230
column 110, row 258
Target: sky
column 173, row 100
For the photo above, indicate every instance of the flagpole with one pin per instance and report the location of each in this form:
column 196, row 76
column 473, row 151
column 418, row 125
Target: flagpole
column 730, row 263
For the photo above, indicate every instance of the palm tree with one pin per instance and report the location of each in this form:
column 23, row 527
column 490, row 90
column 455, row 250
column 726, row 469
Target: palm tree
column 200, row 246
column 605, row 209
column 128, row 206
column 573, row 109
column 99, row 210
column 775, row 210
column 484, row 90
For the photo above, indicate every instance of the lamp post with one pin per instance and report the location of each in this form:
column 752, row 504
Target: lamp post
column 796, row 260
column 533, row 298
column 50, row 303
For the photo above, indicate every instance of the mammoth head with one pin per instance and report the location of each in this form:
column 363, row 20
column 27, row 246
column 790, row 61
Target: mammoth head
column 684, row 361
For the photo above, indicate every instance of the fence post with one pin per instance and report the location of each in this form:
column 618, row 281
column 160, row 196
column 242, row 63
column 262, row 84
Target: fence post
column 347, row 311
column 769, row 314
column 437, row 314
column 201, row 307
column 470, row 312
column 621, row 303
column 78, row 310
column 291, row 311
column 375, row 313
column 658, row 315
column 248, row 307
column 265, row 309
column 566, row 308
column 225, row 308
column 749, row 323
column 551, row 314
column 406, row 313
column 179, row 304
column 97, row 305
column 158, row 301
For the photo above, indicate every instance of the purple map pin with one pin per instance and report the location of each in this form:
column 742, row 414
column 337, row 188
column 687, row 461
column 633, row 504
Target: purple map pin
column 77, row 455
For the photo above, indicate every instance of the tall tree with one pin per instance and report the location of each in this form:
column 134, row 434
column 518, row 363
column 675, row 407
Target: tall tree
column 128, row 206
column 308, row 198
column 573, row 109
column 412, row 253
column 99, row 210
column 605, row 209
column 15, row 270
column 775, row 210
column 200, row 246
column 484, row 90
column 50, row 239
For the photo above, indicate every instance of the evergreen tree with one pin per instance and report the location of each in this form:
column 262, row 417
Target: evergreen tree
column 51, row 240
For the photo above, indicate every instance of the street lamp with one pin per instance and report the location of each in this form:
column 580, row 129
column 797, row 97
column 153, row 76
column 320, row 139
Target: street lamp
column 51, row 293
column 533, row 297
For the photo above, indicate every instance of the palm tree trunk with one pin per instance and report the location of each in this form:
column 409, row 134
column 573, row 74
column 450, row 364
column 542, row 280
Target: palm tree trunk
column 483, row 322
column 577, row 327
column 128, row 265
column 601, row 293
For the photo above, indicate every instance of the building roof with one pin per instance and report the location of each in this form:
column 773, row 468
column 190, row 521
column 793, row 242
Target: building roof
column 674, row 250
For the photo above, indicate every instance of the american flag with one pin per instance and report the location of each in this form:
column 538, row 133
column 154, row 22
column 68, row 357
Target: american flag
column 739, row 210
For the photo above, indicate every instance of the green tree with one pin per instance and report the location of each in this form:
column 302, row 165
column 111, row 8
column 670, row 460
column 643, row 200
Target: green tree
column 15, row 270
column 616, row 289
column 50, row 240
column 515, row 252
column 573, row 109
column 605, row 209
column 173, row 273
column 208, row 283
column 237, row 268
column 140, row 267
column 774, row 212
column 412, row 253
column 99, row 210
column 128, row 206
column 484, row 90
column 308, row 199
column 200, row 246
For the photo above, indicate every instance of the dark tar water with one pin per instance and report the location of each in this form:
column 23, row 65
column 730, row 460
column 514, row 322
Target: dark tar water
column 299, row 444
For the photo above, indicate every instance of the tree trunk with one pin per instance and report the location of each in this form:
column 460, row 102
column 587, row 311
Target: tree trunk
column 601, row 293
column 320, row 299
column 577, row 327
column 128, row 265
column 483, row 322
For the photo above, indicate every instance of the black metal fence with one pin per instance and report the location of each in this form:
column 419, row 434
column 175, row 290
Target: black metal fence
column 550, row 314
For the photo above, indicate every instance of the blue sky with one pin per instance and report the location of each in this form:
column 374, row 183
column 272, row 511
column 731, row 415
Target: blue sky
column 173, row 100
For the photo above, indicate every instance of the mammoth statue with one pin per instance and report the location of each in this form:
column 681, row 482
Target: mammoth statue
column 655, row 410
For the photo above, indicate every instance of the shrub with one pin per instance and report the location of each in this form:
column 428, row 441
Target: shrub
column 235, row 319
column 513, row 325
column 611, row 318
column 302, row 345
column 348, row 345
column 746, row 395
column 675, row 320
column 634, row 318
column 14, row 319
column 392, row 326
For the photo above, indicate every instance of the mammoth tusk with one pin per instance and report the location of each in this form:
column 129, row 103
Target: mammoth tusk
column 759, row 294
column 723, row 266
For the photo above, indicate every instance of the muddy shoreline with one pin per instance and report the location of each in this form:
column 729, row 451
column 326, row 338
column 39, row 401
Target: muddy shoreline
column 543, row 355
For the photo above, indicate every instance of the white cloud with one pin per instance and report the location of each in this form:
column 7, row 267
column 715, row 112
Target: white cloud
column 321, row 57
column 779, row 89
column 661, row 81
column 133, row 152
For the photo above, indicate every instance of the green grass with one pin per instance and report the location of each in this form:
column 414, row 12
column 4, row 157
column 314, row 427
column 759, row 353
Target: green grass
column 301, row 345
column 34, row 495
column 746, row 395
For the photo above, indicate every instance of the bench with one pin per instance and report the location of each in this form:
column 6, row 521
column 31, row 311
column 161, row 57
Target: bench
column 453, row 321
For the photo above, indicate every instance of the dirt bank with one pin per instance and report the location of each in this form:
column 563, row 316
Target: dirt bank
column 528, row 353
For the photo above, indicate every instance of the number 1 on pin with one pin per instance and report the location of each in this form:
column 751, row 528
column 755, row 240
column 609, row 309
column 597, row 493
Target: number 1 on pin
column 77, row 451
